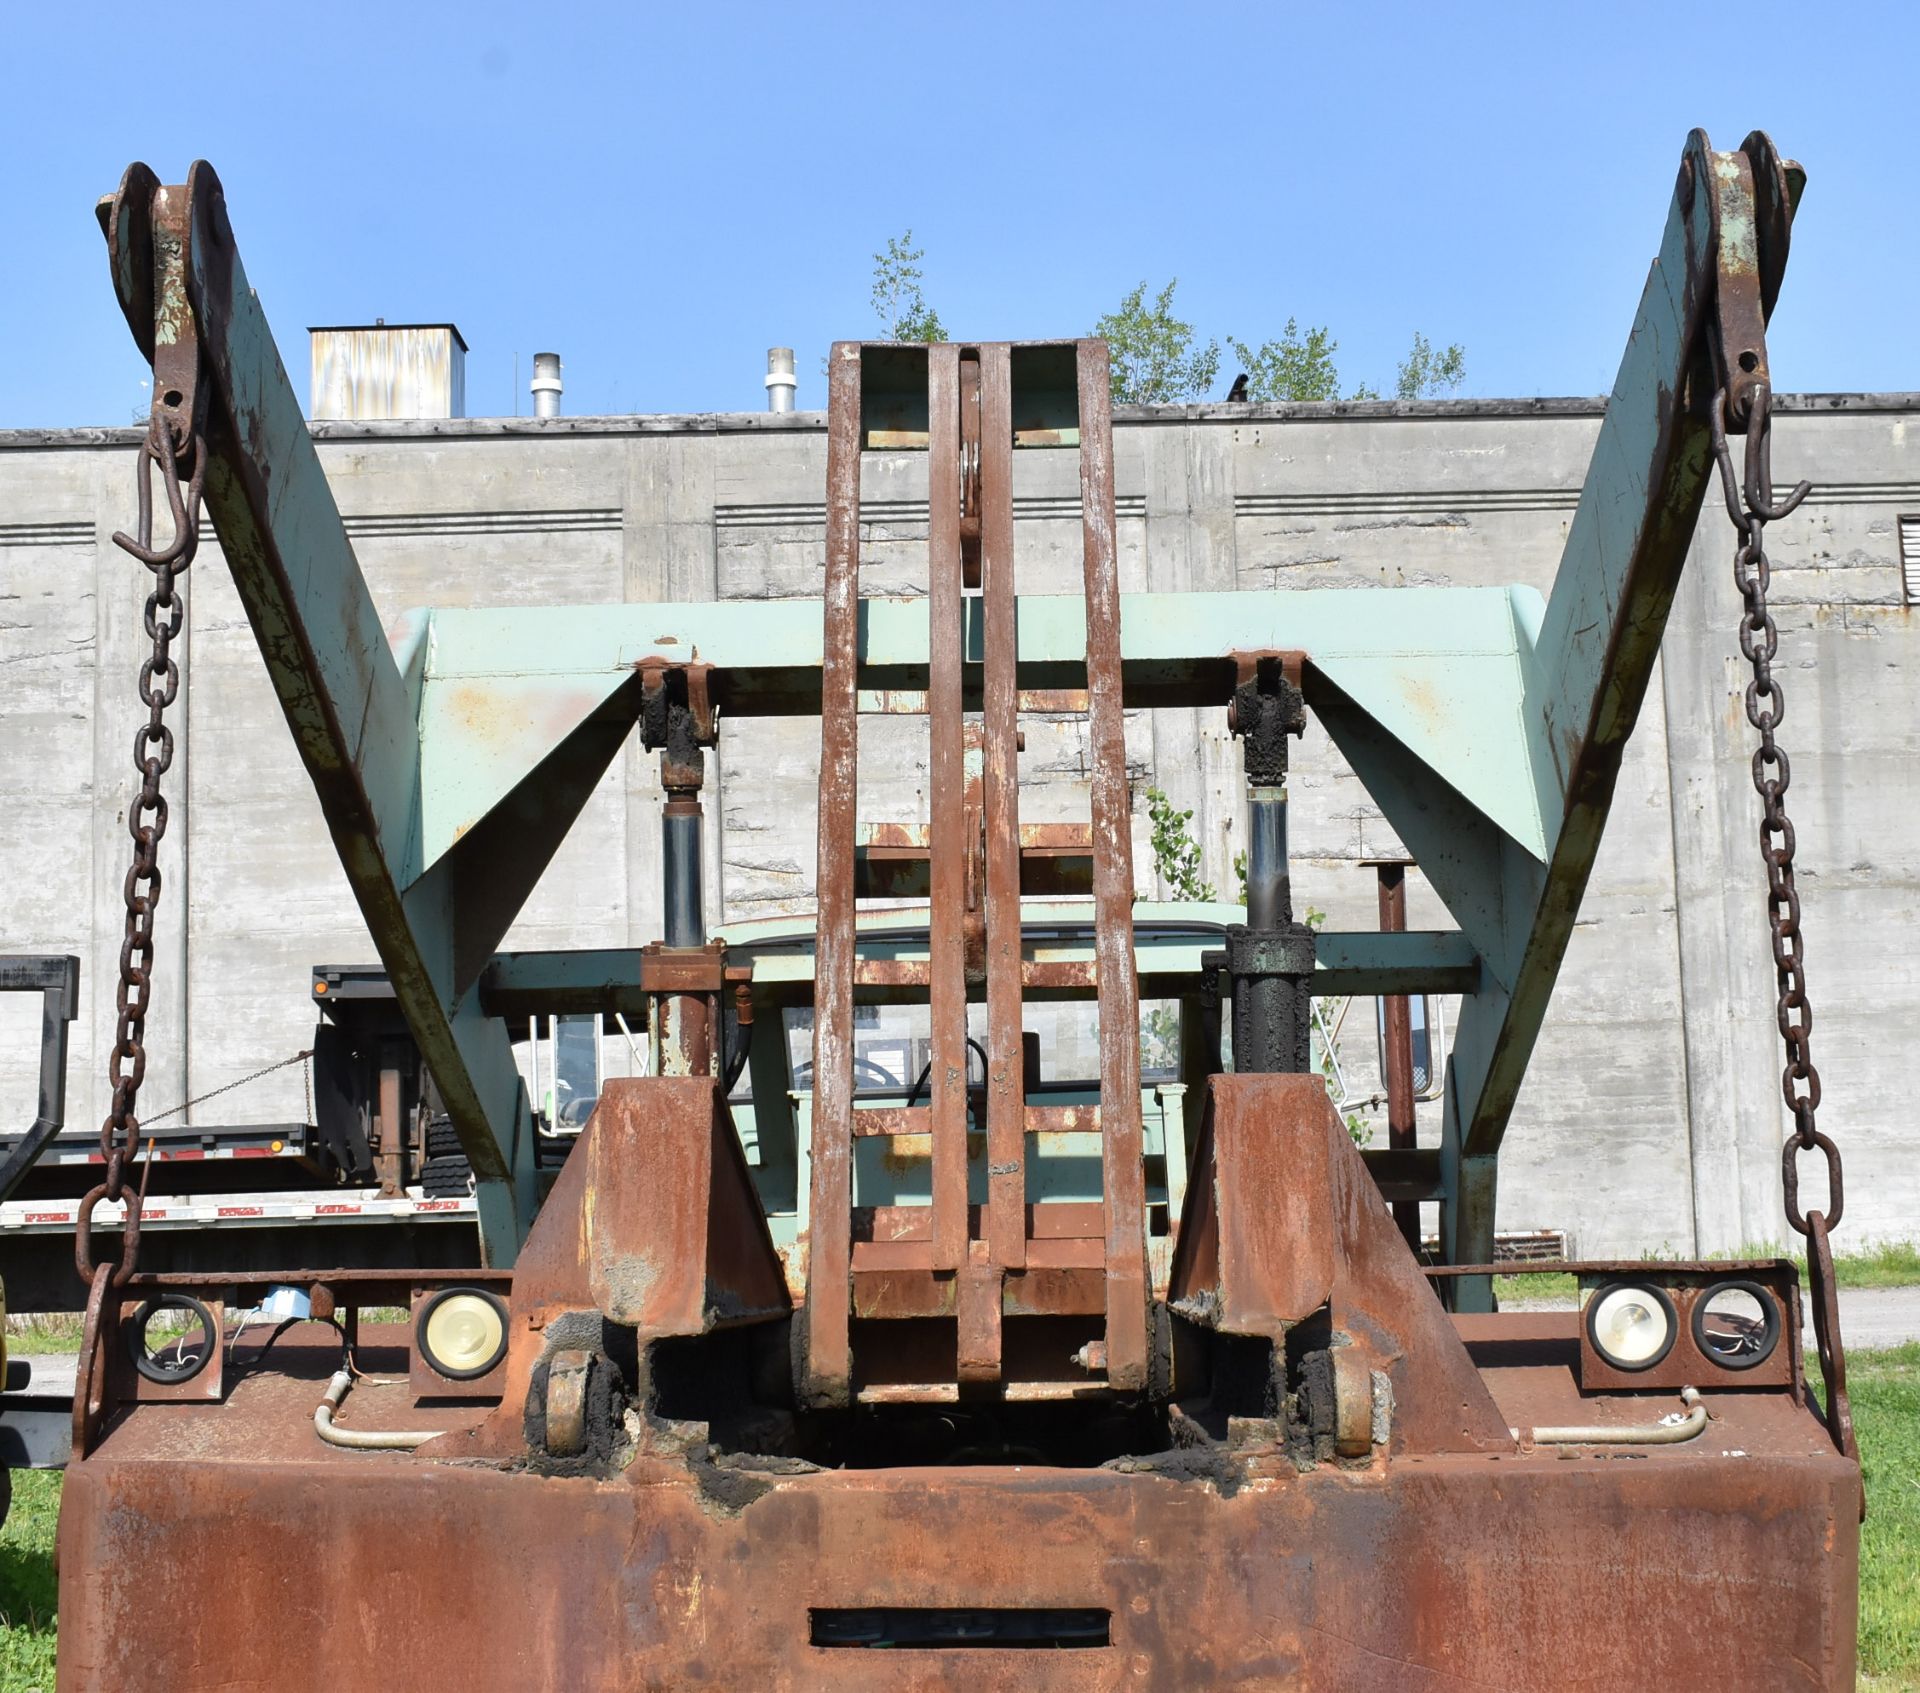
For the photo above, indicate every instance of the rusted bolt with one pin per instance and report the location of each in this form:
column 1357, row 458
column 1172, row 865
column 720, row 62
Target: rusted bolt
column 1092, row 1357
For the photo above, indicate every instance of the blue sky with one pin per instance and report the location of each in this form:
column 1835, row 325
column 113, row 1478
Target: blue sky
column 661, row 192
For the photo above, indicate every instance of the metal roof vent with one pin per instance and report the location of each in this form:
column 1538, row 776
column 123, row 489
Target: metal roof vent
column 546, row 385
column 388, row 370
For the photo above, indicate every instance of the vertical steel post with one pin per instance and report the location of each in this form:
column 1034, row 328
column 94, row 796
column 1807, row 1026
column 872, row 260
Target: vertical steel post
column 828, row 1369
column 1399, row 1045
column 1006, row 1226
column 947, row 869
column 1123, row 1176
column 1268, row 905
column 676, row 717
column 1271, row 959
column 680, row 828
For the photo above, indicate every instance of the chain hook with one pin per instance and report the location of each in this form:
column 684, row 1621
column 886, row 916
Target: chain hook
column 1750, row 508
column 176, row 444
column 1759, row 478
column 161, row 448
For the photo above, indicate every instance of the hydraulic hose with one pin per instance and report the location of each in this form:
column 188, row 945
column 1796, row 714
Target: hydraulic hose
column 362, row 1439
column 1666, row 1432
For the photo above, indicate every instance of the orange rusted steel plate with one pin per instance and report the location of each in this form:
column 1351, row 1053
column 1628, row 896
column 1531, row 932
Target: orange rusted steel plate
column 1531, row 1573
column 1282, row 1219
column 1122, row 1175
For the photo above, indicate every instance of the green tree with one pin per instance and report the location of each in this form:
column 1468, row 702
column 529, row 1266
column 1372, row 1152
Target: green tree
column 1155, row 358
column 1299, row 366
column 1176, row 854
column 898, row 300
column 1296, row 367
column 1425, row 373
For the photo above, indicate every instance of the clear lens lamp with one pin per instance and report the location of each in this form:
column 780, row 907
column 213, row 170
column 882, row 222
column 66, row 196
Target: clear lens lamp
column 463, row 1332
column 1631, row 1325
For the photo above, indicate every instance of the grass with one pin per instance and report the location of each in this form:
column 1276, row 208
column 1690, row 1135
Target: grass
column 27, row 1585
column 1887, row 1263
column 56, row 1331
column 1892, row 1263
column 1536, row 1284
column 1884, row 1388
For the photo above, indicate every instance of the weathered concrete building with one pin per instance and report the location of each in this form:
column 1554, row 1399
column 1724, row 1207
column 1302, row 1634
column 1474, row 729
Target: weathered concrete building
column 1652, row 1117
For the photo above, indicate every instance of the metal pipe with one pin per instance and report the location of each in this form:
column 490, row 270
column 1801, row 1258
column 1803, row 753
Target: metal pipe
column 546, row 385
column 1267, row 889
column 1401, row 1122
column 680, row 868
column 633, row 1046
column 781, row 381
column 1668, row 1431
column 363, row 1439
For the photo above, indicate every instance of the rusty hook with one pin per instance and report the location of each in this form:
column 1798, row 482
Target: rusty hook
column 158, row 448
column 1759, row 478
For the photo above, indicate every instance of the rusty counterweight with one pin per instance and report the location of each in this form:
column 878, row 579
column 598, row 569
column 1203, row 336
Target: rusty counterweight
column 1383, row 1530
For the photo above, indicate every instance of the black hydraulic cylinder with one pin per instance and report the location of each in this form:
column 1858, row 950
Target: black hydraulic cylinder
column 1270, row 961
column 680, row 860
column 1267, row 892
column 1272, row 975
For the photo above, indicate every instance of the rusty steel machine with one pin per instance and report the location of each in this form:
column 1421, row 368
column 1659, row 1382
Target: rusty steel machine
column 799, row 1376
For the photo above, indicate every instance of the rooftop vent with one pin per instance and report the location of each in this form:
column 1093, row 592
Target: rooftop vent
column 546, row 385
column 380, row 370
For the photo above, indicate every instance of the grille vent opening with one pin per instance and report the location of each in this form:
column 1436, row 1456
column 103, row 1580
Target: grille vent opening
column 947, row 1628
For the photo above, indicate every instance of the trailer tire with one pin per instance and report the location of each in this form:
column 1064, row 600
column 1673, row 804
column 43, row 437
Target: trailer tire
column 446, row 1178
column 443, row 1140
column 446, row 1174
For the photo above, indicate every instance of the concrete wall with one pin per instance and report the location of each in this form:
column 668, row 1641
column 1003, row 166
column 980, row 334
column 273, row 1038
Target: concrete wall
column 1639, row 1127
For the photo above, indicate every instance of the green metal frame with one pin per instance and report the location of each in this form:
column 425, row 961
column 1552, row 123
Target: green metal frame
column 1487, row 725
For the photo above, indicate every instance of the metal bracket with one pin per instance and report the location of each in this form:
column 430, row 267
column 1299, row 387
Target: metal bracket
column 1267, row 706
column 353, row 713
column 57, row 981
column 677, row 719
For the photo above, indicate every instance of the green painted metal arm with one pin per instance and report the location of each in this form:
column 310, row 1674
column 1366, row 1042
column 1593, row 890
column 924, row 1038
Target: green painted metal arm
column 1596, row 647
column 500, row 687
column 345, row 699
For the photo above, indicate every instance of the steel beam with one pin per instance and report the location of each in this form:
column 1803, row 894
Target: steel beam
column 1361, row 962
column 349, row 706
column 1591, row 664
column 1422, row 663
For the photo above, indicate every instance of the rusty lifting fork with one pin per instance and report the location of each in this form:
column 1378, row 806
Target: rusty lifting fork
column 974, row 919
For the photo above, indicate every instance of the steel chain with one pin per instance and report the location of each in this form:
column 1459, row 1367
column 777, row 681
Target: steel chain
column 1750, row 505
column 300, row 1057
column 180, row 452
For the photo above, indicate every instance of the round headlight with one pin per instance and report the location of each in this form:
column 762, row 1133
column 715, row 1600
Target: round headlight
column 1736, row 1324
column 463, row 1332
column 1631, row 1325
